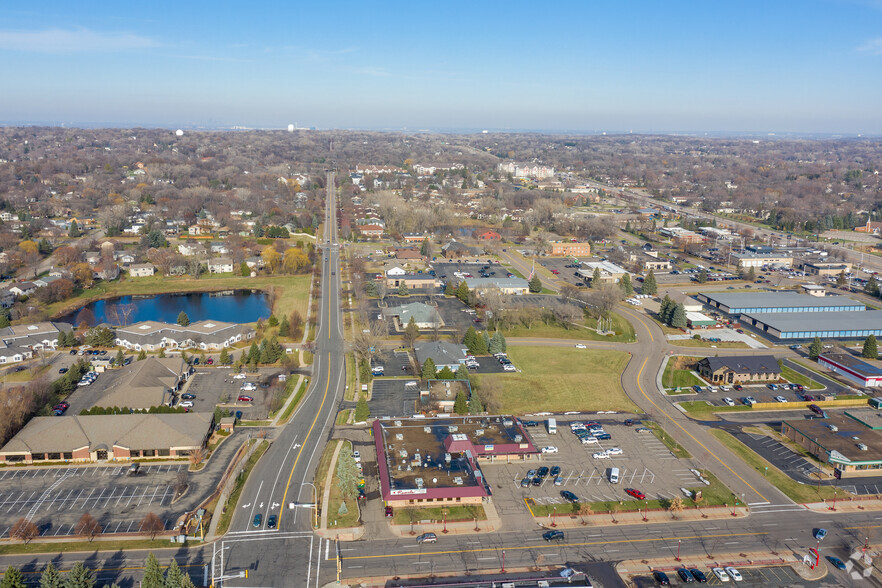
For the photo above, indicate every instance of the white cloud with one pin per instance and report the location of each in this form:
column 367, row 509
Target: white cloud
column 873, row 46
column 70, row 41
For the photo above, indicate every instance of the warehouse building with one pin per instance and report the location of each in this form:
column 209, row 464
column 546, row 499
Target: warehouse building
column 762, row 260
column 858, row 371
column 846, row 443
column 819, row 268
column 808, row 325
column 736, row 303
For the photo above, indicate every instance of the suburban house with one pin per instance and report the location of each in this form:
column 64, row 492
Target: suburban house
column 424, row 315
column 114, row 437
column 220, row 265
column 191, row 249
column 371, row 231
column 406, row 254
column 23, row 288
column 739, row 369
column 568, row 248
column 444, row 354
column 143, row 384
column 141, row 270
column 516, row 286
column 204, row 335
column 18, row 342
column 414, row 237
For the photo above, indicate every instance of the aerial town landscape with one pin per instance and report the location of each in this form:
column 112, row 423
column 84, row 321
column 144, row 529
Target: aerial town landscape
column 378, row 354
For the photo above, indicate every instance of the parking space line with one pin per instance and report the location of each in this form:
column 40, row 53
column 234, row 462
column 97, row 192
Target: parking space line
column 72, row 500
column 109, row 498
column 24, row 502
column 134, row 491
column 103, row 490
column 85, row 501
column 167, row 488
column 60, row 528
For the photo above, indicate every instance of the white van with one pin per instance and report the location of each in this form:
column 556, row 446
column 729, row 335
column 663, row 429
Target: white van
column 613, row 475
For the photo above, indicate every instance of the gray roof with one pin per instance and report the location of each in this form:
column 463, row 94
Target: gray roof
column 133, row 431
column 441, row 352
column 854, row 363
column 422, row 313
column 144, row 383
column 479, row 283
column 777, row 299
column 744, row 364
column 866, row 320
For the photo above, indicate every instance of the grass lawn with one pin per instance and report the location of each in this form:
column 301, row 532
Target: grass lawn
column 701, row 410
column 294, row 403
column 352, row 516
column 793, row 489
column 406, row 516
column 226, row 517
column 68, row 547
column 291, row 291
column 558, row 380
column 797, row 378
column 678, row 450
column 343, row 416
column 624, row 332
column 678, row 373
column 718, row 344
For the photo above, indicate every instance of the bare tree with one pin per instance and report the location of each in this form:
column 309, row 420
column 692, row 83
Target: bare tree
column 367, row 341
column 119, row 314
column 87, row 526
column 24, row 530
column 152, row 524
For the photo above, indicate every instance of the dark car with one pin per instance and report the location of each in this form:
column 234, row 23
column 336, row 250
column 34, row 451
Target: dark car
column 555, row 471
column 188, row 396
column 543, row 471
column 661, row 578
column 531, row 424
column 603, row 436
column 271, row 522
column 73, row 351
column 62, row 370
column 569, row 496
column 685, row 575
column 629, row 422
column 537, row 481
column 388, row 511
column 817, row 410
column 553, row 535
column 258, row 518
column 195, row 361
column 698, row 575
column 525, row 483
column 738, row 387
column 836, row 562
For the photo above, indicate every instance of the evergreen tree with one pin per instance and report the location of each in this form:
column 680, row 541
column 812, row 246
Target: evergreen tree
column 595, row 278
column 120, row 358
column 162, row 352
column 4, row 318
column 503, row 342
column 183, row 319
column 13, row 578
column 649, row 284
column 870, row 349
column 173, row 575
column 402, row 289
column 371, row 289
column 486, row 346
column 284, row 327
column 462, row 372
column 81, row 577
column 872, row 286
column 450, row 288
column 224, row 358
column 425, row 248
column 678, row 318
column 495, row 343
column 461, row 405
column 262, row 355
column 244, row 270
column 142, row 355
column 253, row 354
column 666, row 309
column 152, row 574
column 462, row 292
column 625, row 285
column 815, row 348
column 428, row 371
column 362, row 411
column 51, row 577
column 535, row 285
column 411, row 332
column 445, row 373
column 701, row 277
column 74, row 230
column 272, row 321
column 750, row 274
column 840, row 279
column 470, row 339
column 475, row 405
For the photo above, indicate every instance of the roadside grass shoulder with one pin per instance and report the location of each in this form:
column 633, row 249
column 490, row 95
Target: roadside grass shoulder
column 717, row 344
column 223, row 524
column 35, row 547
column 296, row 402
column 703, row 410
column 584, row 330
column 678, row 450
column 407, row 516
column 795, row 377
column 352, row 516
column 678, row 373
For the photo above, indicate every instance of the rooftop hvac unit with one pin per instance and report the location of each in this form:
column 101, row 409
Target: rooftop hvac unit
column 457, row 480
column 427, row 429
column 403, row 453
column 419, row 482
column 447, row 457
column 417, row 457
column 397, row 423
column 399, row 437
column 507, row 422
column 518, row 438
column 479, row 432
column 434, row 480
column 453, row 428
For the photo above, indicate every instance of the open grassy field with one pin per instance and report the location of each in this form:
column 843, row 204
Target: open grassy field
column 291, row 291
column 793, row 489
column 624, row 332
column 678, row 373
column 558, row 379
column 701, row 410
column 717, row 344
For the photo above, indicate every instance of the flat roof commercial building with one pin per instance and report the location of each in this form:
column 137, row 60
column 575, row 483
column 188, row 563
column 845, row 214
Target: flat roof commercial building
column 516, row 286
column 762, row 259
column 843, row 442
column 697, row 319
column 429, row 462
column 856, row 370
column 826, row 268
column 772, row 302
column 808, row 325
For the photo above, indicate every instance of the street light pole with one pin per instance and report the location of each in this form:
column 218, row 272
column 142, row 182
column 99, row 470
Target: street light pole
column 315, row 501
column 678, row 550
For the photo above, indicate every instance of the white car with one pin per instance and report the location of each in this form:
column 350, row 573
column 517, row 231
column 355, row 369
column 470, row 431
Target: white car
column 356, row 456
column 186, row 404
column 509, row 368
column 734, row 574
column 614, row 451
column 601, row 455
column 249, row 387
column 239, row 377
column 589, row 440
column 728, row 401
column 724, row 388
column 721, row 574
column 549, row 449
column 581, row 346
column 780, row 399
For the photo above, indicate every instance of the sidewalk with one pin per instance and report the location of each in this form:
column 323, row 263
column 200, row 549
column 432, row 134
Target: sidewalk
column 669, row 565
column 604, row 519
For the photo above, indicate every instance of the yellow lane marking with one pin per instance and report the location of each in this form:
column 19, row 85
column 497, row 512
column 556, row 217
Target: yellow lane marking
column 645, row 326
column 580, row 544
column 306, row 439
column 682, row 428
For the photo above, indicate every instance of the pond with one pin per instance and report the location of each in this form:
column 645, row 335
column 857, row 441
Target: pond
column 234, row 306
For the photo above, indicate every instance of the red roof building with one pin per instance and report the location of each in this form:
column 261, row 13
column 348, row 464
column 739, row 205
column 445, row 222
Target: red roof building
column 488, row 236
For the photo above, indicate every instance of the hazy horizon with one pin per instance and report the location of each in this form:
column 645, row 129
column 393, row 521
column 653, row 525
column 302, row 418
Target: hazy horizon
column 741, row 68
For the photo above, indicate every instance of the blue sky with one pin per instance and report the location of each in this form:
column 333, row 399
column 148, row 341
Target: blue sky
column 765, row 66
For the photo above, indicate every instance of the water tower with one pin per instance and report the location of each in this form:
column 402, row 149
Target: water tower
column 290, row 128
column 179, row 133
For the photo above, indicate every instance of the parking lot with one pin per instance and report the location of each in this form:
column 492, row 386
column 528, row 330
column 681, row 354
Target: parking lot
column 644, row 464
column 771, row 577
column 394, row 363
column 56, row 498
column 216, row 386
column 455, row 316
column 394, row 398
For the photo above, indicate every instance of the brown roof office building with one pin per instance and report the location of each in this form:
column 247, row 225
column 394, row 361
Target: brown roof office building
column 846, row 443
column 429, row 462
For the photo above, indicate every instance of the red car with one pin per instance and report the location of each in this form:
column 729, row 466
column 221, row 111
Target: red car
column 388, row 511
column 246, row 399
column 635, row 493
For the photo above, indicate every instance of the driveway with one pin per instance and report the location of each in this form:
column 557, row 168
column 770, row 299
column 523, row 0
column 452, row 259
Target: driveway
column 723, row 335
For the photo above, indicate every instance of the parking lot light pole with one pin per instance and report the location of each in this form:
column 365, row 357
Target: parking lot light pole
column 503, row 562
column 678, row 550
column 315, row 503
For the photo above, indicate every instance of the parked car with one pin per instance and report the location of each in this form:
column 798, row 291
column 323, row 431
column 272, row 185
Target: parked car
column 543, row 471
column 780, row 399
column 62, row 371
column 555, row 471
column 427, row 538
column 734, row 573
column 661, row 578
column 614, row 451
column 242, row 398
column 188, row 396
column 239, row 377
column 685, row 575
column 581, row 346
column 388, row 511
column 728, row 401
column 635, row 493
column 603, row 436
column 569, row 496
column 549, row 449
column 698, row 575
column 600, row 455
column 721, row 574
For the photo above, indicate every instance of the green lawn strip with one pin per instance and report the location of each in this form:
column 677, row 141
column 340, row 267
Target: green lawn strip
column 227, row 516
column 351, row 517
column 700, row 343
column 406, row 516
column 291, row 291
column 321, row 471
column 624, row 331
column 795, row 377
column 678, row 450
column 294, row 403
column 794, row 490
column 812, row 368
column 701, row 410
column 556, row 380
column 80, row 546
column 252, row 423
column 343, row 416
column 351, row 369
column 680, row 378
